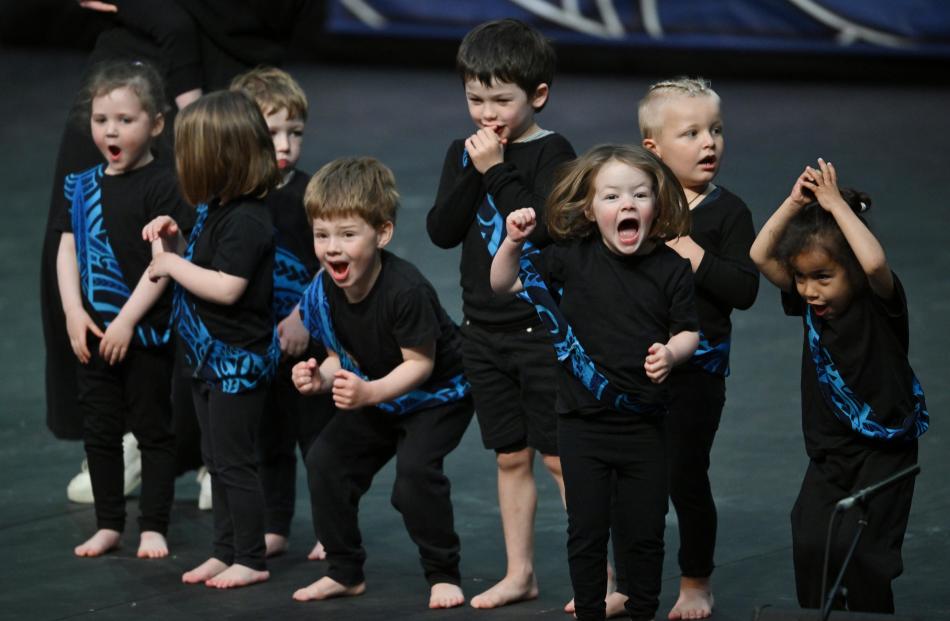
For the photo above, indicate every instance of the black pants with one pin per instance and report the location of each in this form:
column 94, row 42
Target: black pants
column 877, row 558
column 230, row 424
column 132, row 395
column 353, row 447
column 290, row 420
column 614, row 469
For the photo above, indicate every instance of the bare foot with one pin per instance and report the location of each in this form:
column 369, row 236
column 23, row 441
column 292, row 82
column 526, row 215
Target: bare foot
column 695, row 600
column 237, row 576
column 327, row 587
column 152, row 544
column 611, row 588
column 615, row 605
column 104, row 540
column 318, row 553
column 276, row 544
column 207, row 570
column 509, row 591
column 445, row 595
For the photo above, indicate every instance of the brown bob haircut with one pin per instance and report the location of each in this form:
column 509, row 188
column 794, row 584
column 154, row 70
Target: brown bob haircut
column 273, row 89
column 569, row 205
column 353, row 186
column 223, row 149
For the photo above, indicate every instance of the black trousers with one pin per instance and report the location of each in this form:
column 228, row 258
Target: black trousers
column 290, row 420
column 877, row 558
column 615, row 472
column 353, row 447
column 230, row 425
column 132, row 395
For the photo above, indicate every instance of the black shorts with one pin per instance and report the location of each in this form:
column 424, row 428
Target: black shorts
column 514, row 378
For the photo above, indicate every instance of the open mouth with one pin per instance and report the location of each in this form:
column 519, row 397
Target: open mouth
column 114, row 151
column 708, row 162
column 628, row 231
column 339, row 270
column 820, row 309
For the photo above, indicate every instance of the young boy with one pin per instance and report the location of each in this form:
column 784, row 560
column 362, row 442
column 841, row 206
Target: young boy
column 680, row 121
column 290, row 419
column 381, row 319
column 506, row 69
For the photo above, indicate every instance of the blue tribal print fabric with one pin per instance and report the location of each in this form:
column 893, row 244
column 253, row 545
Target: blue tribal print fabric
column 291, row 278
column 712, row 358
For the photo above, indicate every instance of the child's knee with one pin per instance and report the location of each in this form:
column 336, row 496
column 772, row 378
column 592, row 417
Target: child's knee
column 515, row 461
column 553, row 464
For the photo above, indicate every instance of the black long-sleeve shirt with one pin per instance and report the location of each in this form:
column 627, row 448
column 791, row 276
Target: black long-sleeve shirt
column 524, row 179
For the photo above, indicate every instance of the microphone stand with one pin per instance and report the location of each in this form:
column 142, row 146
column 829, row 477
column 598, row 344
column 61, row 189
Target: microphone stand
column 862, row 522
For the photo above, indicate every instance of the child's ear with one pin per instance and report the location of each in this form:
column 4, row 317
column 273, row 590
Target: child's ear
column 384, row 233
column 589, row 213
column 158, row 124
column 650, row 145
column 540, row 96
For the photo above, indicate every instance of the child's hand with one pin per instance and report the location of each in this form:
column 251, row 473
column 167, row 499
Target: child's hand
column 658, row 363
column 294, row 336
column 486, row 149
column 115, row 342
column 306, row 377
column 520, row 223
column 78, row 322
column 350, row 391
column 800, row 196
column 160, row 265
column 160, row 227
column 823, row 183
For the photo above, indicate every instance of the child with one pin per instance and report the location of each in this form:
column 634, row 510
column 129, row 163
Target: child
column 226, row 162
column 379, row 316
column 613, row 208
column 290, row 418
column 509, row 162
column 680, row 122
column 116, row 318
column 862, row 407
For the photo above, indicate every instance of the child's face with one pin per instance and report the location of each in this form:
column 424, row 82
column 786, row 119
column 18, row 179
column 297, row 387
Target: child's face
column 690, row 140
column 287, row 135
column 822, row 282
column 503, row 107
column 123, row 130
column 624, row 207
column 348, row 249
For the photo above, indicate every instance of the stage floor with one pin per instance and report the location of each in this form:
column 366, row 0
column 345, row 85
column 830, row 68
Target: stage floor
column 890, row 141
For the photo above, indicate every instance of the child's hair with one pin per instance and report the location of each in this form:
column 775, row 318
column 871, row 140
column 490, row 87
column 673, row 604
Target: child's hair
column 571, row 199
column 223, row 149
column 506, row 50
column 814, row 227
column 353, row 186
column 648, row 111
column 140, row 78
column 273, row 89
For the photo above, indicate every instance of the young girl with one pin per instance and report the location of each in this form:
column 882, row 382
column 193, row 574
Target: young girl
column 613, row 209
column 223, row 314
column 862, row 407
column 116, row 318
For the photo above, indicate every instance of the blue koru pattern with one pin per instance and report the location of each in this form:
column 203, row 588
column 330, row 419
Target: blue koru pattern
column 712, row 358
column 291, row 277
column 535, row 291
column 846, row 405
column 103, row 284
column 315, row 314
column 231, row 369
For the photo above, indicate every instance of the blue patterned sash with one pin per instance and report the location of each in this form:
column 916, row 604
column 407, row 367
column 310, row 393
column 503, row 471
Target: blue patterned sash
column 231, row 368
column 103, row 284
column 315, row 314
column 291, row 277
column 846, row 405
column 712, row 358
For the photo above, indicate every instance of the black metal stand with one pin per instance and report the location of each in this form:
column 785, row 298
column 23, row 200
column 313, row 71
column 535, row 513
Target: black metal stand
column 833, row 592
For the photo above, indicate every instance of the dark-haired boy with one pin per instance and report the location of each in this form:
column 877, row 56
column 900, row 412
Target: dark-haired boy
column 506, row 68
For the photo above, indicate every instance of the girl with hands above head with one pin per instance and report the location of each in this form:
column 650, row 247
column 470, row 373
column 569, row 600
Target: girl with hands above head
column 862, row 406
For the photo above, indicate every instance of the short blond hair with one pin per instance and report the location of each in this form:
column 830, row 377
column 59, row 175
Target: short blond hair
column 273, row 89
column 353, row 186
column 651, row 106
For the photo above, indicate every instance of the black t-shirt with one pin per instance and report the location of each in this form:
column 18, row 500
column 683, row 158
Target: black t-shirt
column 238, row 239
column 524, row 179
column 618, row 307
column 727, row 277
column 401, row 310
column 868, row 344
column 129, row 202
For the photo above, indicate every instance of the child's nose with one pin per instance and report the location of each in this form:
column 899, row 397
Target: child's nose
column 281, row 143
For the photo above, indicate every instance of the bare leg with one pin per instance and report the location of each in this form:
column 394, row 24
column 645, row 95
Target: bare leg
column 237, row 576
column 327, row 587
column 446, row 595
column 695, row 600
column 518, row 500
column 104, row 540
column 615, row 605
column 318, row 553
column 276, row 544
column 152, row 545
column 207, row 570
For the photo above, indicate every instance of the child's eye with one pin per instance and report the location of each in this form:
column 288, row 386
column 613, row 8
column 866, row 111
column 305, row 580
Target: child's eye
column 717, row 131
column 297, row 132
column 610, row 197
column 641, row 195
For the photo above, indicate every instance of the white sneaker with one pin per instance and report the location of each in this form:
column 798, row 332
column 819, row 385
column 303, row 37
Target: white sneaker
column 204, row 496
column 79, row 489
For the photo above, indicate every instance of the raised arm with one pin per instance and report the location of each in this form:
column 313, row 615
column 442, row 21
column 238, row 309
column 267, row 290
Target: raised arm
column 729, row 275
column 504, row 267
column 456, row 202
column 763, row 248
